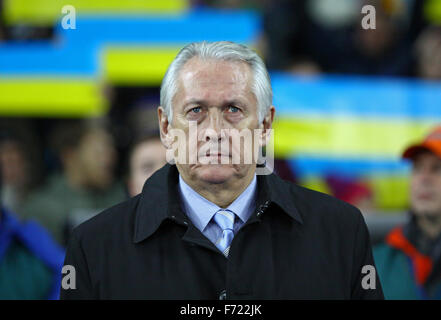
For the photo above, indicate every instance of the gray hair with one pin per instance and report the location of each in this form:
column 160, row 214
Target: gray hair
column 221, row 50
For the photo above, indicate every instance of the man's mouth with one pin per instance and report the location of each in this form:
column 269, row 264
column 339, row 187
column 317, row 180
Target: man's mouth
column 216, row 154
column 425, row 196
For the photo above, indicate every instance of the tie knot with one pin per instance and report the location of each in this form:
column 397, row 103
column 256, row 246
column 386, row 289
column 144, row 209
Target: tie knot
column 224, row 219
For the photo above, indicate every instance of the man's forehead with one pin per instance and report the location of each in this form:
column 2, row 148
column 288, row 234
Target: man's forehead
column 209, row 80
column 425, row 155
column 211, row 71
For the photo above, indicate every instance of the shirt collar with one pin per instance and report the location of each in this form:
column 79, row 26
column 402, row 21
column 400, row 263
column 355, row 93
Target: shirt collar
column 162, row 186
column 245, row 203
column 201, row 211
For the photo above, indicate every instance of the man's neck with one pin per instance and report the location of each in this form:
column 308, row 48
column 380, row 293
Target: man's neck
column 430, row 225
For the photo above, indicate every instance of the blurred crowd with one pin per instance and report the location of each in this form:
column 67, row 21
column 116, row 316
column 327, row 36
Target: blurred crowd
column 82, row 179
column 64, row 171
column 61, row 172
column 314, row 36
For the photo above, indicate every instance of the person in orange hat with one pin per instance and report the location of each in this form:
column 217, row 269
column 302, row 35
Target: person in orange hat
column 409, row 260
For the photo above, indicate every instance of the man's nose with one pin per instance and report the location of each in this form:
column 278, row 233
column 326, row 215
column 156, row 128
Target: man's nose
column 213, row 131
column 426, row 175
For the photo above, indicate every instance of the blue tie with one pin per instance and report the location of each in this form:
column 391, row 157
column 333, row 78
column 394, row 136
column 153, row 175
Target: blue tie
column 225, row 220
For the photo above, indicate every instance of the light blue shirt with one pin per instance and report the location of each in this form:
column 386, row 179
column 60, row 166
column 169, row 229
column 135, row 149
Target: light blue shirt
column 201, row 211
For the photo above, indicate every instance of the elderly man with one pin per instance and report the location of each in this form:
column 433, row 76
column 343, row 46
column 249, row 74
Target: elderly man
column 213, row 228
column 409, row 261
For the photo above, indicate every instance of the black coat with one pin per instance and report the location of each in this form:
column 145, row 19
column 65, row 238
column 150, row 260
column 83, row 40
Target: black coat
column 298, row 244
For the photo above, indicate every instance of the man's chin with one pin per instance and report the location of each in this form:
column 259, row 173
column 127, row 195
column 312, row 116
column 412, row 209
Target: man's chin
column 215, row 173
column 429, row 211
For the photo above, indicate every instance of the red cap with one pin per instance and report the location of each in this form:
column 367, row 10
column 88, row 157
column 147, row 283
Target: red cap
column 431, row 143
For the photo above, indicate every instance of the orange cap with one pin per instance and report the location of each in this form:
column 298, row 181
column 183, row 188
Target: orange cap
column 431, row 143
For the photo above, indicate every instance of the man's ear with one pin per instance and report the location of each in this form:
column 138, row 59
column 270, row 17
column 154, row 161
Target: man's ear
column 266, row 126
column 164, row 128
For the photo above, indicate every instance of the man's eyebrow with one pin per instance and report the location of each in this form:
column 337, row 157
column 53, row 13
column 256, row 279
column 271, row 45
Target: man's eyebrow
column 194, row 101
column 203, row 102
column 238, row 102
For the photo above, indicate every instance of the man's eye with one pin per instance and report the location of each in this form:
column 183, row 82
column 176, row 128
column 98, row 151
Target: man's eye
column 196, row 109
column 233, row 109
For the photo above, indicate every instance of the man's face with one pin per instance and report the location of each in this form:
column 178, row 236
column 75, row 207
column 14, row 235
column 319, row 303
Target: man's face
column 215, row 95
column 147, row 157
column 426, row 185
column 97, row 156
column 13, row 166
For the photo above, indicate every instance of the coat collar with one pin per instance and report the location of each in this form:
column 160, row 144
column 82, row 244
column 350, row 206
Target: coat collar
column 160, row 200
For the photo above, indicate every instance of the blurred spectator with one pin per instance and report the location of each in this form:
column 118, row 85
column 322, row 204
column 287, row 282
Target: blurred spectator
column 30, row 261
column 385, row 50
column 15, row 172
column 286, row 26
column 320, row 35
column 146, row 156
column 19, row 164
column 409, row 261
column 86, row 184
column 353, row 192
column 428, row 53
